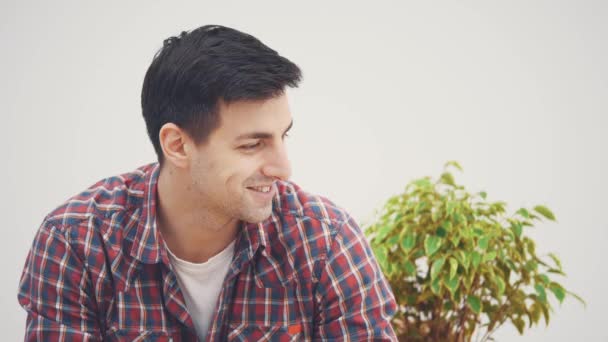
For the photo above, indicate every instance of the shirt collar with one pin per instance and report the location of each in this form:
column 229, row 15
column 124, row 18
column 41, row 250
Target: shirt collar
column 147, row 242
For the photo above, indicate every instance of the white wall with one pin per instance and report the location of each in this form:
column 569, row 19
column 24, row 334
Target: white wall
column 517, row 91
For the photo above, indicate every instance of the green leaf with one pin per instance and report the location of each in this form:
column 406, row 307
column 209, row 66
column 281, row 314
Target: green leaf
column 447, row 178
column 392, row 240
column 556, row 271
column 548, row 214
column 422, row 183
column 490, row 256
column 483, row 243
column 454, row 164
column 558, row 291
column 435, row 215
column 453, row 267
column 436, row 286
column 523, row 212
column 474, row 303
column 441, row 232
column 464, row 260
column 500, row 284
column 556, row 260
column 449, row 208
column 410, row 268
column 577, row 298
column 452, row 284
column 544, row 278
column 455, row 240
column 408, row 242
column 531, row 265
column 475, row 259
column 447, row 225
column 420, row 207
column 517, row 229
column 431, row 244
column 436, row 267
column 540, row 291
column 383, row 232
column 483, row 195
column 381, row 257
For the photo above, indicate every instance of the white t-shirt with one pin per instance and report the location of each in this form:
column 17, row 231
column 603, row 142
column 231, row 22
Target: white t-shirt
column 201, row 285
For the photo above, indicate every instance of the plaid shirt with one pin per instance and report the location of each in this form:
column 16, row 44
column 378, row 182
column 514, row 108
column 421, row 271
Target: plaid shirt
column 98, row 270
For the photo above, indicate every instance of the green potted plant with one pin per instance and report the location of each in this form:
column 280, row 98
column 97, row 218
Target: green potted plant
column 459, row 265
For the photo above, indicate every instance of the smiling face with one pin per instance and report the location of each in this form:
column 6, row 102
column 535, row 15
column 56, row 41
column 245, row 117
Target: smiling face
column 234, row 171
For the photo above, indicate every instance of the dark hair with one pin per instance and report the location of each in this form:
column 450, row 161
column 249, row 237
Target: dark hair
column 192, row 72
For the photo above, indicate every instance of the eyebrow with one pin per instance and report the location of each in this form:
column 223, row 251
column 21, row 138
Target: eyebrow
column 262, row 135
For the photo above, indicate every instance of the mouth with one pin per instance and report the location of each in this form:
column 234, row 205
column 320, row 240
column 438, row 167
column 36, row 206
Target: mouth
column 262, row 189
column 262, row 193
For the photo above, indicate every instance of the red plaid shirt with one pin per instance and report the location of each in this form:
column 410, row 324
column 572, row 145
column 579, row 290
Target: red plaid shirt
column 98, row 270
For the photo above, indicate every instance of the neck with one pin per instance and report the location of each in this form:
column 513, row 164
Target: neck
column 192, row 231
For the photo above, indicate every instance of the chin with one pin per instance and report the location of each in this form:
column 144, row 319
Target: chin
column 257, row 216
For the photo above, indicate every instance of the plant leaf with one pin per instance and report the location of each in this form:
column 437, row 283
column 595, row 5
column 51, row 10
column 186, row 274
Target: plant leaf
column 410, row 268
column 447, row 178
column 436, row 286
column 556, row 260
column 500, row 283
column 475, row 259
column 483, row 242
column 454, row 164
column 558, row 291
column 452, row 284
column 474, row 303
column 422, row 183
column 383, row 232
column 381, row 256
column 540, row 291
column 408, row 242
column 523, row 212
column 489, row 257
column 548, row 214
column 519, row 324
column 517, row 228
column 436, row 267
column 453, row 267
column 431, row 244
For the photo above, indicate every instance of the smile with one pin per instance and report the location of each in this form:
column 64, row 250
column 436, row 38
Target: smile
column 260, row 188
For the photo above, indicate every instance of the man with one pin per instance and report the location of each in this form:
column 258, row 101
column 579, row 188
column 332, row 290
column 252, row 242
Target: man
column 213, row 242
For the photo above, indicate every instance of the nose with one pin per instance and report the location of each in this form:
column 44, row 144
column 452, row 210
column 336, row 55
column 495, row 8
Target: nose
column 277, row 165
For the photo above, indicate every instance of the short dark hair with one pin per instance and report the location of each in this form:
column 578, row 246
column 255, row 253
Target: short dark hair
column 192, row 72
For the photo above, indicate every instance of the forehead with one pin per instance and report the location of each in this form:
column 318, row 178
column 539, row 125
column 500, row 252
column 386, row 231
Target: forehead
column 242, row 117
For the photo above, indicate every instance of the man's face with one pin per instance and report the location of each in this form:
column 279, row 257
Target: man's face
column 234, row 171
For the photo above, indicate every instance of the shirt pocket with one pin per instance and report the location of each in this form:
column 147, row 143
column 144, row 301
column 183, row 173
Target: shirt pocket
column 257, row 332
column 265, row 314
column 139, row 336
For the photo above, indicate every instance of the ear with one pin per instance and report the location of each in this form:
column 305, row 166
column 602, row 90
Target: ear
column 175, row 145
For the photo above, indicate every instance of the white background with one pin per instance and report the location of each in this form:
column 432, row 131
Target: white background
column 516, row 91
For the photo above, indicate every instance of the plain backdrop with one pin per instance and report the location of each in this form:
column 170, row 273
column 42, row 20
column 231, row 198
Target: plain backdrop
column 516, row 91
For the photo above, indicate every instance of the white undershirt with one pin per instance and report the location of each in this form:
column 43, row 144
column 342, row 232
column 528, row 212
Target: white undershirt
column 201, row 285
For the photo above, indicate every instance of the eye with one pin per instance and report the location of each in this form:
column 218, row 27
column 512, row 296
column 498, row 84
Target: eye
column 250, row 146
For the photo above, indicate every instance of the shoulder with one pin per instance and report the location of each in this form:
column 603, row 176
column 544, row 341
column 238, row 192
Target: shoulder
column 310, row 221
column 100, row 215
column 102, row 200
column 294, row 201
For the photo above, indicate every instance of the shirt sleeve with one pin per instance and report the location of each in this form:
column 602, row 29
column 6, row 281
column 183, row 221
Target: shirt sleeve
column 55, row 291
column 354, row 300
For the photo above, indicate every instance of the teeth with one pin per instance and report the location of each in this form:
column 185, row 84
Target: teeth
column 261, row 188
